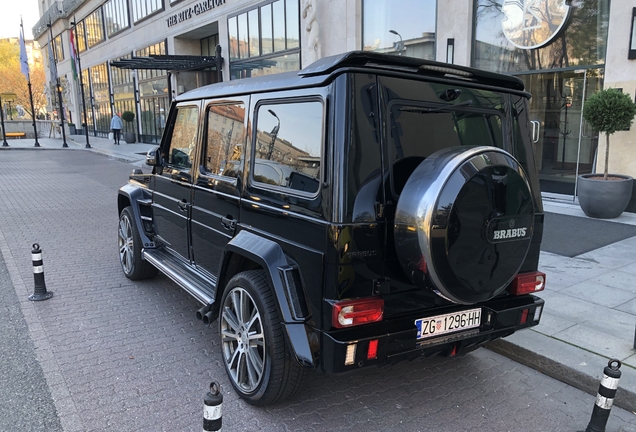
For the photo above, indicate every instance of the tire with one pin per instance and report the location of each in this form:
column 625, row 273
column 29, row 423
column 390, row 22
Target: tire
column 129, row 241
column 253, row 344
column 464, row 223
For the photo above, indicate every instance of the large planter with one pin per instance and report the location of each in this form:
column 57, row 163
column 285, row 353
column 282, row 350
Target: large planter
column 129, row 137
column 604, row 199
column 71, row 129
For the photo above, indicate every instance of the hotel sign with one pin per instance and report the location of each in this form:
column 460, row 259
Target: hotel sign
column 196, row 9
column 530, row 24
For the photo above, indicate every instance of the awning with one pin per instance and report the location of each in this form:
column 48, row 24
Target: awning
column 170, row 63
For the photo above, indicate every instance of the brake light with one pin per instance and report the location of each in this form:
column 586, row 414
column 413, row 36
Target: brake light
column 350, row 313
column 526, row 283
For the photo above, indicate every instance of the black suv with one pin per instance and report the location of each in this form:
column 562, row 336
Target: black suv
column 365, row 210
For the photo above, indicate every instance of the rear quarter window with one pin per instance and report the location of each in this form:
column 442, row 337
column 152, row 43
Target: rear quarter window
column 288, row 146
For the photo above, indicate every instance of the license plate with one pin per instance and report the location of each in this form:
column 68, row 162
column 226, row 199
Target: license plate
column 448, row 323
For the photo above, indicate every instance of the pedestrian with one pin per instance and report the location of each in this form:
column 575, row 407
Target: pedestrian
column 115, row 125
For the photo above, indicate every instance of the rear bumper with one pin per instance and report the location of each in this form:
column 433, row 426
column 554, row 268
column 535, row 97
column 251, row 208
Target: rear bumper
column 397, row 337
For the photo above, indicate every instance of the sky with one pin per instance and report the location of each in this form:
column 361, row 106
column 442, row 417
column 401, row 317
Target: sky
column 10, row 11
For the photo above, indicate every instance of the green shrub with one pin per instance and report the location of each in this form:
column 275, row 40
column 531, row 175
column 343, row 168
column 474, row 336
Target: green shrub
column 608, row 111
column 128, row 116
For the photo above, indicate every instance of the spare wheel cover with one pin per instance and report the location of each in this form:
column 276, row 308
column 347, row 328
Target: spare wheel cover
column 464, row 223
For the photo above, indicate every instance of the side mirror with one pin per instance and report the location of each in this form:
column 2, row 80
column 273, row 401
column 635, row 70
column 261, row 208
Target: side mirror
column 153, row 157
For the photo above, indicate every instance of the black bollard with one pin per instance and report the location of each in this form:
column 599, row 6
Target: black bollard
column 39, row 293
column 605, row 397
column 212, row 408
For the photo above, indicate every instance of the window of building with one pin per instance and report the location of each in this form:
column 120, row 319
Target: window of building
column 388, row 27
column 265, row 40
column 81, row 36
column 144, row 8
column 184, row 137
column 223, row 149
column 288, row 145
column 58, row 48
column 124, row 92
column 101, row 98
column 509, row 38
column 94, row 28
column 208, row 45
column 153, row 95
column 115, row 16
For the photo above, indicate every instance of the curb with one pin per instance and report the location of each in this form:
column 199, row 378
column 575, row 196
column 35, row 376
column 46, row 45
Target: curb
column 567, row 363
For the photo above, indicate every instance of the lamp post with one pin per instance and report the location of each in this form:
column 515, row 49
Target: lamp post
column 400, row 45
column 4, row 135
column 57, row 86
column 274, row 134
column 79, row 66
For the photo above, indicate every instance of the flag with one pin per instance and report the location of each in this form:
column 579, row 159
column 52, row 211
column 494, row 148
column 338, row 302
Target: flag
column 24, row 60
column 73, row 54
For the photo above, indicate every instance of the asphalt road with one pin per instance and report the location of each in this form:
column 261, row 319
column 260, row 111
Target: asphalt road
column 109, row 354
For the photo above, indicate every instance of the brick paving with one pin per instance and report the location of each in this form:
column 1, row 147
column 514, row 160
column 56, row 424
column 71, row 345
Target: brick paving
column 130, row 356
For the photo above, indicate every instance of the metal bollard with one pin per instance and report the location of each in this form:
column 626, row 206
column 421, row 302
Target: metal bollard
column 212, row 408
column 39, row 292
column 605, row 397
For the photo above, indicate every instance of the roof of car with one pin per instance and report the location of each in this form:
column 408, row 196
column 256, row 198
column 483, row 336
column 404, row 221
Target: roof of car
column 321, row 71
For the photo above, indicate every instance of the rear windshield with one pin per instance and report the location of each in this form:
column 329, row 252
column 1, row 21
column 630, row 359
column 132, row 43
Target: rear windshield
column 441, row 117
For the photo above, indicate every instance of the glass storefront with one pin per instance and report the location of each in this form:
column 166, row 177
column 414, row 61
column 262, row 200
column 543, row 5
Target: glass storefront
column 558, row 49
column 388, row 27
column 153, row 97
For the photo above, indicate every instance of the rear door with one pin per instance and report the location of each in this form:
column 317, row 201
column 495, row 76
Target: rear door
column 172, row 196
column 215, row 202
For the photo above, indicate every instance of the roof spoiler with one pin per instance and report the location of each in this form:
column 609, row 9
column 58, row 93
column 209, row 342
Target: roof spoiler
column 365, row 59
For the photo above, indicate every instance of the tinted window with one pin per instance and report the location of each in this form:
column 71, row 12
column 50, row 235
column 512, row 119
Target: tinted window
column 184, row 137
column 288, row 145
column 225, row 136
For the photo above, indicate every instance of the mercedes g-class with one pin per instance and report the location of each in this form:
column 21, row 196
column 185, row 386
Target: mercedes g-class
column 364, row 210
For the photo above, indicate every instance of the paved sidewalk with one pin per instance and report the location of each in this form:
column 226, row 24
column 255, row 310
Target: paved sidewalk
column 589, row 315
column 134, row 153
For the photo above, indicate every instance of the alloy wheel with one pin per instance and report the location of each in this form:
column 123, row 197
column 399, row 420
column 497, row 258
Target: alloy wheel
column 126, row 245
column 243, row 340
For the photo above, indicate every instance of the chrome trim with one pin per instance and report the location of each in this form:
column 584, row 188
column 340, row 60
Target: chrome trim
column 287, row 212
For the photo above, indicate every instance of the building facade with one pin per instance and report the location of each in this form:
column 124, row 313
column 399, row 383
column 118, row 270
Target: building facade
column 564, row 50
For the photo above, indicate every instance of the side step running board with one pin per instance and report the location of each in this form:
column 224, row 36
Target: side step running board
column 197, row 284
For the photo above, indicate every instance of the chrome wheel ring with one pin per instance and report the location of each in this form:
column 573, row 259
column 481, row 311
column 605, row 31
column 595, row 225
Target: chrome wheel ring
column 126, row 244
column 243, row 340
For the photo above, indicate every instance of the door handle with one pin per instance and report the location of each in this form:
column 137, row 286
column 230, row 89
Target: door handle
column 536, row 130
column 228, row 223
column 183, row 205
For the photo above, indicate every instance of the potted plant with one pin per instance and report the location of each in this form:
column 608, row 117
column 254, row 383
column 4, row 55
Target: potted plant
column 607, row 196
column 71, row 128
column 128, row 117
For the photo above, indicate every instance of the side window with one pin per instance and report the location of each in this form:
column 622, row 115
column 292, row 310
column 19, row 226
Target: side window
column 184, row 138
column 288, row 145
column 224, row 145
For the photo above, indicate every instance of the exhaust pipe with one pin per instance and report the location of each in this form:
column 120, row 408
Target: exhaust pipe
column 210, row 317
column 201, row 312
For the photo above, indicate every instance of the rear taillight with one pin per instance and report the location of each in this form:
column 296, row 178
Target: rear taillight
column 526, row 283
column 350, row 313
